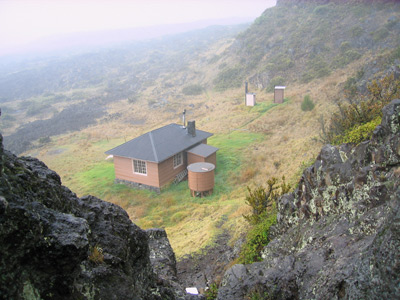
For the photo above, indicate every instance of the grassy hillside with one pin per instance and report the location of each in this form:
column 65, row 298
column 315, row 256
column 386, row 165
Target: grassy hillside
column 302, row 41
column 303, row 46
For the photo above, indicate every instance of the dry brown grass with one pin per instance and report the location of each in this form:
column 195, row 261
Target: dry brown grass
column 289, row 140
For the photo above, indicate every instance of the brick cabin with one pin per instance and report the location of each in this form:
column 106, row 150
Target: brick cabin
column 156, row 158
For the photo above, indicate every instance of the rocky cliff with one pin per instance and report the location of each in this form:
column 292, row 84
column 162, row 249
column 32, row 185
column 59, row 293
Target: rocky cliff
column 338, row 233
column 54, row 245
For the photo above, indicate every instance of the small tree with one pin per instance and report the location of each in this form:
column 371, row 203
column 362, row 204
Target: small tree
column 307, row 104
column 262, row 199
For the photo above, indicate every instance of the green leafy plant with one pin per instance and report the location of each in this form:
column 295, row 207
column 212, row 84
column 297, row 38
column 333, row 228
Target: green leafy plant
column 263, row 202
column 212, row 292
column 262, row 199
column 307, row 104
column 358, row 134
column 355, row 121
column 257, row 239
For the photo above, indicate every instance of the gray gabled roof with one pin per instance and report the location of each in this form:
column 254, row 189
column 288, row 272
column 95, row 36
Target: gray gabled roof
column 203, row 150
column 159, row 144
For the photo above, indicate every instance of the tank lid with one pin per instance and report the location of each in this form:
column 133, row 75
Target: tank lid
column 201, row 167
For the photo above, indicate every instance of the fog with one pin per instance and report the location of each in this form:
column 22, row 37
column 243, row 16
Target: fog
column 26, row 23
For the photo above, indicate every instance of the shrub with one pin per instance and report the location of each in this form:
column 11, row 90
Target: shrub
column 278, row 80
column 358, row 134
column 356, row 31
column 262, row 199
column 228, row 78
column 307, row 104
column 257, row 239
column 193, row 90
column 317, row 68
column 212, row 292
column 346, row 57
column 347, row 123
column 380, row 34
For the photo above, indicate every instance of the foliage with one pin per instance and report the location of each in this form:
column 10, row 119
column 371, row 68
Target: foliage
column 380, row 34
column 212, row 292
column 317, row 68
column 346, row 57
column 258, row 293
column 354, row 120
column 358, row 134
column 356, row 31
column 262, row 199
column 280, row 62
column 257, row 239
column 35, row 109
column 193, row 90
column 228, row 78
column 96, row 254
column 307, row 104
column 278, row 80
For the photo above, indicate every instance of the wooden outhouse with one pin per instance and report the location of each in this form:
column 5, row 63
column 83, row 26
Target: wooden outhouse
column 250, row 99
column 279, row 94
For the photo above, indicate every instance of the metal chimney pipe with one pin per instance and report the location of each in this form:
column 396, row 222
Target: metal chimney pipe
column 184, row 119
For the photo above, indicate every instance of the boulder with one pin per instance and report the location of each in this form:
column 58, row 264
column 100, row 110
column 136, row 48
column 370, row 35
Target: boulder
column 54, row 245
column 338, row 234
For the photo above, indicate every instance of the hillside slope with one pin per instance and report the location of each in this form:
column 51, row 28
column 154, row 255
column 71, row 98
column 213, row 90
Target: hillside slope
column 338, row 233
column 299, row 41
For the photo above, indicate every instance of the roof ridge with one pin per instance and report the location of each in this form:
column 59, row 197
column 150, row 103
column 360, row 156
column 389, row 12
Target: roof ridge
column 152, row 145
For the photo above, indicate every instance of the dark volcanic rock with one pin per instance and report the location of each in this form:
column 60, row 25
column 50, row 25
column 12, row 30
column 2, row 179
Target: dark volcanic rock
column 54, row 245
column 338, row 233
column 162, row 257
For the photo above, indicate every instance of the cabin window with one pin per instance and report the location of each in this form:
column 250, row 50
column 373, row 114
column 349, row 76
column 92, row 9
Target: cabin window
column 139, row 167
column 178, row 160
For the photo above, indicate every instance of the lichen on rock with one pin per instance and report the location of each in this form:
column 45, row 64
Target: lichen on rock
column 337, row 235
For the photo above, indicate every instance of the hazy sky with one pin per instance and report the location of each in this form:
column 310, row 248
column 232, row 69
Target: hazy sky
column 22, row 21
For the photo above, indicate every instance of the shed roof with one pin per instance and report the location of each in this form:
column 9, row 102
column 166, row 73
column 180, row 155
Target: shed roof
column 203, row 150
column 159, row 144
column 279, row 87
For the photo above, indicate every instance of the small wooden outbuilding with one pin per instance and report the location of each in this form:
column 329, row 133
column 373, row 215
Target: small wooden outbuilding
column 279, row 94
column 250, row 99
column 202, row 153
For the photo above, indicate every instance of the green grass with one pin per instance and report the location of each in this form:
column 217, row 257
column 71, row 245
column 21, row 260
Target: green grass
column 263, row 107
column 99, row 180
column 231, row 146
column 174, row 203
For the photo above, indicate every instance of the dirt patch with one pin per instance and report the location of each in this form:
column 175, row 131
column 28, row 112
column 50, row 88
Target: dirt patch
column 200, row 270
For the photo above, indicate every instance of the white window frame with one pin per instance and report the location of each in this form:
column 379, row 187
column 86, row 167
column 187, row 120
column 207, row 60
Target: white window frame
column 178, row 160
column 139, row 167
